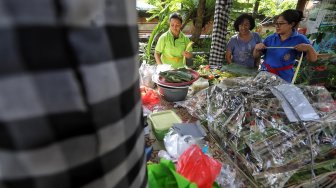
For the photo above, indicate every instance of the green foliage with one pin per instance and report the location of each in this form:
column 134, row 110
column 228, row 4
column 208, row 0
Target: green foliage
column 202, row 45
column 239, row 7
column 327, row 28
column 143, row 56
column 187, row 8
column 159, row 28
column 270, row 8
column 267, row 32
column 161, row 11
column 287, row 4
column 321, row 72
column 199, row 60
column 267, row 9
column 210, row 8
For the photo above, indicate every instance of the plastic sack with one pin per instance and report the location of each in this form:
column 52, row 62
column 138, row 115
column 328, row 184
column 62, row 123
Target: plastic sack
column 200, row 84
column 176, row 144
column 164, row 175
column 146, row 72
column 164, row 154
column 198, row 167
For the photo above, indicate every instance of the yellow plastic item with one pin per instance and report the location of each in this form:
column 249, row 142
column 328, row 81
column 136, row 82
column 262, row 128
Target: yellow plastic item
column 297, row 69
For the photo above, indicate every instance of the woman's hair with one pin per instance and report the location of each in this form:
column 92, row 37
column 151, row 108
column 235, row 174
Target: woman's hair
column 240, row 20
column 175, row 15
column 292, row 16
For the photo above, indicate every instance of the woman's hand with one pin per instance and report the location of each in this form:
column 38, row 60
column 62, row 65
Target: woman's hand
column 157, row 57
column 186, row 54
column 303, row 47
column 257, row 51
column 228, row 57
column 260, row 46
column 311, row 53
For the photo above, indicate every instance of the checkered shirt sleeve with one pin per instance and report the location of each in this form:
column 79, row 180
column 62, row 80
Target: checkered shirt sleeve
column 70, row 110
column 218, row 43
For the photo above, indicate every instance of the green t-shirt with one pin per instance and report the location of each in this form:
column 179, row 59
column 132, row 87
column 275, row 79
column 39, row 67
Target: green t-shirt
column 171, row 49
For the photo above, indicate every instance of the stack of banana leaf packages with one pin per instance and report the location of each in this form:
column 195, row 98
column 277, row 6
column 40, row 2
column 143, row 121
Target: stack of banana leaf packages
column 279, row 134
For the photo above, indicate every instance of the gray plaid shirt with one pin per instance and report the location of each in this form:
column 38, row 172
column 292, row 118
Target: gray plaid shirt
column 70, row 112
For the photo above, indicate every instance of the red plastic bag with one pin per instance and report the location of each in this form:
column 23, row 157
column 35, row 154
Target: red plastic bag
column 197, row 167
column 149, row 96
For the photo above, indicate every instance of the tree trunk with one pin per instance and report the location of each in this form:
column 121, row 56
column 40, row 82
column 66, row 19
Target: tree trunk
column 199, row 21
column 301, row 5
column 186, row 20
column 255, row 8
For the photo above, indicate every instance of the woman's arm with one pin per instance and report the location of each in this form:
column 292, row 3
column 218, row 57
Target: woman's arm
column 228, row 57
column 186, row 54
column 257, row 51
column 157, row 56
column 311, row 53
column 257, row 62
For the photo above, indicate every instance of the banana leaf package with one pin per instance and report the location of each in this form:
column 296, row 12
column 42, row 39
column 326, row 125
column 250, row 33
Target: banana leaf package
column 250, row 124
column 177, row 76
column 239, row 69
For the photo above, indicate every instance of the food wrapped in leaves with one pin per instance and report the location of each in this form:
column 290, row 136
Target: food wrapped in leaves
column 250, row 124
column 177, row 76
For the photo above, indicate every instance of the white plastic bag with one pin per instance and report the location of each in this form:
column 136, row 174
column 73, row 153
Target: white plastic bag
column 200, row 84
column 175, row 144
column 146, row 71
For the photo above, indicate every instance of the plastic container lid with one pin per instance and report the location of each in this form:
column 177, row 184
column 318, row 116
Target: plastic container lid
column 164, row 120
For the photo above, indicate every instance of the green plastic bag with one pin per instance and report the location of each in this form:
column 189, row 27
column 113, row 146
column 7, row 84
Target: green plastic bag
column 164, row 175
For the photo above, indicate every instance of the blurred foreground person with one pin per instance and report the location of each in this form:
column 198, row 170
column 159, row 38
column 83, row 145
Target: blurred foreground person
column 70, row 112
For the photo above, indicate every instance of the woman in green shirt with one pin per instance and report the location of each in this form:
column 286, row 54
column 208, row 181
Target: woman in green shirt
column 172, row 45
